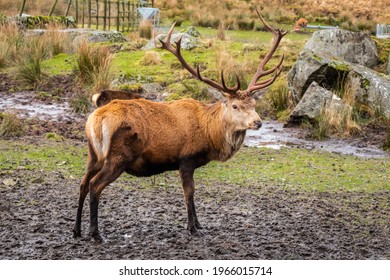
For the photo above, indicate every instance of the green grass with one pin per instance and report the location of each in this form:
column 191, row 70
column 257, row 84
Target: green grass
column 128, row 62
column 300, row 169
column 292, row 169
column 47, row 157
column 59, row 65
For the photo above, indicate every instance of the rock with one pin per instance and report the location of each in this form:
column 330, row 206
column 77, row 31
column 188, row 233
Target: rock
column 9, row 182
column 96, row 36
column 311, row 104
column 310, row 67
column 93, row 36
column 353, row 47
column 370, row 88
column 192, row 32
column 188, row 41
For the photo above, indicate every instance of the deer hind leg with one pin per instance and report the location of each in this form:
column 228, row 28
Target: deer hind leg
column 93, row 168
column 187, row 178
column 110, row 171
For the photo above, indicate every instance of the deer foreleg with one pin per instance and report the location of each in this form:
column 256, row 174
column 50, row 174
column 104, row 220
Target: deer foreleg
column 187, row 178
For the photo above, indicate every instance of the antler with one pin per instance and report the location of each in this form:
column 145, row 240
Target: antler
column 261, row 72
column 196, row 73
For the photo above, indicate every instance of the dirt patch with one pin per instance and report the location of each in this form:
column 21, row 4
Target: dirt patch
column 36, row 221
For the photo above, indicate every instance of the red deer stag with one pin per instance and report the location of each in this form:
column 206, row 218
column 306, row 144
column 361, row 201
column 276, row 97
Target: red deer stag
column 144, row 138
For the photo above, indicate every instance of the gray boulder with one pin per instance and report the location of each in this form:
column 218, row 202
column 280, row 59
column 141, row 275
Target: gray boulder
column 76, row 34
column 353, row 47
column 191, row 31
column 370, row 88
column 320, row 68
column 190, row 39
column 312, row 103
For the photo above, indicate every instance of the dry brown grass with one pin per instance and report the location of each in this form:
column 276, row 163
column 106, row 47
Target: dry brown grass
column 56, row 41
column 151, row 58
column 93, row 65
column 232, row 68
column 36, row 7
column 358, row 14
column 146, row 29
column 337, row 118
column 11, row 42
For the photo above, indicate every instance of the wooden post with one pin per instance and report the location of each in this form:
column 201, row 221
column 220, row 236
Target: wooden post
column 89, row 13
column 97, row 14
column 22, row 8
column 68, row 8
column 104, row 15
column 83, row 15
column 77, row 11
column 128, row 16
column 117, row 16
column 109, row 15
column 123, row 15
column 53, row 7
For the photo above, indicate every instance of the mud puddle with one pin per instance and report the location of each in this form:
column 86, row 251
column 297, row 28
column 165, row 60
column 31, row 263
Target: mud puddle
column 273, row 135
column 24, row 105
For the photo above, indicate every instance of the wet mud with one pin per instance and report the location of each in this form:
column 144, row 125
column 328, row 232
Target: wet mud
column 239, row 222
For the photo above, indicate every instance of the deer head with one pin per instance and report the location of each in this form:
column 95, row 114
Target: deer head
column 239, row 106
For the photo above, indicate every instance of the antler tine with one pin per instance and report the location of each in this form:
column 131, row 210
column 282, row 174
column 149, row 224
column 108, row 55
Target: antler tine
column 261, row 72
column 268, row 82
column 230, row 90
column 196, row 73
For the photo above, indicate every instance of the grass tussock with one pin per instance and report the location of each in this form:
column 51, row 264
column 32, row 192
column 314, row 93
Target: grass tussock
column 146, row 29
column 231, row 68
column 56, row 41
column 279, row 96
column 10, row 126
column 93, row 65
column 335, row 119
column 29, row 69
column 151, row 58
column 12, row 40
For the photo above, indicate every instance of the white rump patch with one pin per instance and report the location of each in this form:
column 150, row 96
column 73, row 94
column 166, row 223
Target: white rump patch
column 97, row 147
column 106, row 139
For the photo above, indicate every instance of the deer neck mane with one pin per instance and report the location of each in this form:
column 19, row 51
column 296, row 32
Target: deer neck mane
column 224, row 140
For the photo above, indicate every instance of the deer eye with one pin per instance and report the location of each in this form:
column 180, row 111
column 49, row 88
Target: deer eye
column 235, row 107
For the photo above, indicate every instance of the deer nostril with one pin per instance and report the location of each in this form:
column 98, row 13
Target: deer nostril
column 258, row 124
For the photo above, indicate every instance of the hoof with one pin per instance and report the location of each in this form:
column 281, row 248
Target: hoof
column 96, row 237
column 198, row 226
column 76, row 233
column 195, row 232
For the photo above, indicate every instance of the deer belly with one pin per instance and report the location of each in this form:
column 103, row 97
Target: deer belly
column 144, row 168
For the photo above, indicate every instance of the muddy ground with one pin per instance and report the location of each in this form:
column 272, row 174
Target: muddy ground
column 240, row 222
column 36, row 222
